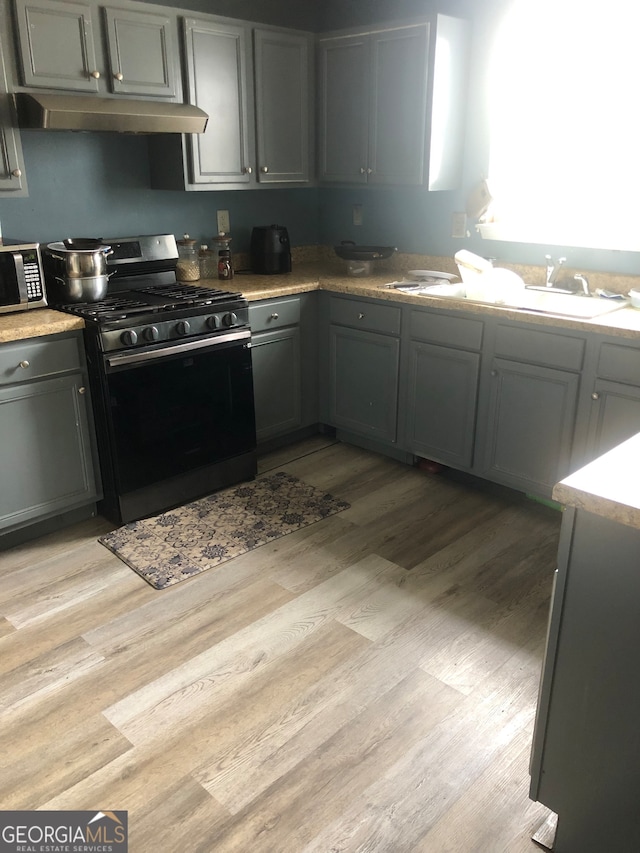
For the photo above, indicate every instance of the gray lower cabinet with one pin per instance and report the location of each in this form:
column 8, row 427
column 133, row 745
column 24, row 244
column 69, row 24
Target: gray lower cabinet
column 284, row 357
column 61, row 47
column 255, row 86
column 529, row 414
column 584, row 762
column 374, row 83
column 46, row 461
column 614, row 405
column 443, row 371
column 363, row 368
column 12, row 179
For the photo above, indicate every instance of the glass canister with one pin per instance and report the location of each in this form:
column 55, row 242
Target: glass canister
column 208, row 263
column 188, row 265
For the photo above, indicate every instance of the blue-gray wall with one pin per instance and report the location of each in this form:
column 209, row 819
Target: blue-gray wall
column 97, row 184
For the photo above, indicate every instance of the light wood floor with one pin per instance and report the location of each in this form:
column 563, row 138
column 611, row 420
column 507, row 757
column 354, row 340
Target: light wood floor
column 366, row 684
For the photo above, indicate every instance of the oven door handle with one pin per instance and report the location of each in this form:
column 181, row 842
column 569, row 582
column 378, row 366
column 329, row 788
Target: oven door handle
column 176, row 349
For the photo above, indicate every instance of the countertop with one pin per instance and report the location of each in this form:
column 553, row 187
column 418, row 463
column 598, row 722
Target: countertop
column 624, row 322
column 608, row 486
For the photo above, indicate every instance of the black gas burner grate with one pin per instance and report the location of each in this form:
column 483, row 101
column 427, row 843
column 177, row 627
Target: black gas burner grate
column 180, row 293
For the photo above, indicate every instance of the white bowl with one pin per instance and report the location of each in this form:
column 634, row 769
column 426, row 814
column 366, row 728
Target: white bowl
column 634, row 295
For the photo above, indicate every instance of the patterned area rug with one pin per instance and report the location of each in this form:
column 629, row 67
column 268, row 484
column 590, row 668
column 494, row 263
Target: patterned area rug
column 183, row 542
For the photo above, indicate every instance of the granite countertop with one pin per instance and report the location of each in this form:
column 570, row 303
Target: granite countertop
column 608, row 486
column 310, row 276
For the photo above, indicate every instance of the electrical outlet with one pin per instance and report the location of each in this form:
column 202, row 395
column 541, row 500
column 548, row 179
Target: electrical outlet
column 459, row 225
column 224, row 226
column 357, row 214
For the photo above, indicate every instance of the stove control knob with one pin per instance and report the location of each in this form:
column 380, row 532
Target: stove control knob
column 129, row 337
column 230, row 319
column 213, row 322
column 183, row 327
column 151, row 333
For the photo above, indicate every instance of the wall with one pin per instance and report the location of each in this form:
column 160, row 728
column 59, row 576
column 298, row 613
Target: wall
column 97, row 184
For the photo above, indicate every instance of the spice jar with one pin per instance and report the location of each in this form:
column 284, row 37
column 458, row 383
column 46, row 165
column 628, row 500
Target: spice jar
column 225, row 270
column 188, row 265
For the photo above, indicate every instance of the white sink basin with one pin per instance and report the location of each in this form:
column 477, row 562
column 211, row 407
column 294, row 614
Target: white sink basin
column 546, row 302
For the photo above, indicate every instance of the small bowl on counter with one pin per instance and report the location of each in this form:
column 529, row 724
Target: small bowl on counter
column 634, row 296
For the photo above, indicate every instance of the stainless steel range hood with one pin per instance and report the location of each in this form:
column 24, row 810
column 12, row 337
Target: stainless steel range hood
column 120, row 115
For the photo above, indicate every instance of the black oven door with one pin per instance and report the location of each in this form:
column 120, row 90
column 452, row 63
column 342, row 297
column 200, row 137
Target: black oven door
column 178, row 409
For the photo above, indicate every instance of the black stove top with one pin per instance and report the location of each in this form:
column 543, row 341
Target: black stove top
column 150, row 300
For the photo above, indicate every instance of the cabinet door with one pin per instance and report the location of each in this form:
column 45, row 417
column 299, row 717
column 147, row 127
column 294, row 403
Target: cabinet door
column 363, row 382
column 398, row 106
column 344, row 109
column 11, row 163
column 282, row 83
column 530, row 425
column 57, row 44
column 217, row 70
column 45, row 454
column 442, row 399
column 142, row 53
column 614, row 417
column 276, row 382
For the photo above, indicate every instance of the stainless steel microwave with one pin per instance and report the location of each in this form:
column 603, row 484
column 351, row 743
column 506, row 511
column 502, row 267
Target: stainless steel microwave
column 21, row 277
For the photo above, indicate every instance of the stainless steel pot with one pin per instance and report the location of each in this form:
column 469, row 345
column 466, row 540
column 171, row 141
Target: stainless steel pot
column 85, row 289
column 80, row 262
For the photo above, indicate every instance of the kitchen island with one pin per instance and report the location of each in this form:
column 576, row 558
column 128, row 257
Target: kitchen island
column 585, row 754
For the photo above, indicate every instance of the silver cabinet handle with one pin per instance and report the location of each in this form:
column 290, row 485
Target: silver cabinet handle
column 24, row 364
column 17, row 173
column 369, row 171
column 360, row 316
column 247, row 170
column 119, row 76
column 274, row 316
column 95, row 75
column 81, row 389
column 494, row 372
column 363, row 171
column 264, row 169
column 595, row 396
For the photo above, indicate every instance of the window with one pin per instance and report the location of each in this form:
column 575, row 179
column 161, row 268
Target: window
column 565, row 130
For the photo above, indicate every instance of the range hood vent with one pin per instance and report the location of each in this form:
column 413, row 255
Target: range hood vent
column 119, row 115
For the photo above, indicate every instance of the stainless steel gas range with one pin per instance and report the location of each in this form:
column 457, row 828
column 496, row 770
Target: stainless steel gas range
column 171, row 383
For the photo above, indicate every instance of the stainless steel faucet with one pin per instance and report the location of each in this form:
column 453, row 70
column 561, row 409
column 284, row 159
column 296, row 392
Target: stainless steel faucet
column 553, row 269
column 582, row 279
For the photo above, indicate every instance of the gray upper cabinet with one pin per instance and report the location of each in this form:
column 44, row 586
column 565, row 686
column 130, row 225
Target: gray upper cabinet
column 57, row 44
column 382, row 115
column 218, row 83
column 61, row 47
column 282, row 72
column 255, row 86
column 142, row 53
column 12, row 180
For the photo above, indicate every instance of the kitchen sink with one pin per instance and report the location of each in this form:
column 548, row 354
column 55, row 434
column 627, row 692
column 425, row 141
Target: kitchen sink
column 544, row 301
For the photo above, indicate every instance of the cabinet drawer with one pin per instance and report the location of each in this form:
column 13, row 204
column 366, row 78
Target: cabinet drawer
column 365, row 315
column 24, row 360
column 534, row 347
column 449, row 331
column 274, row 314
column 620, row 363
